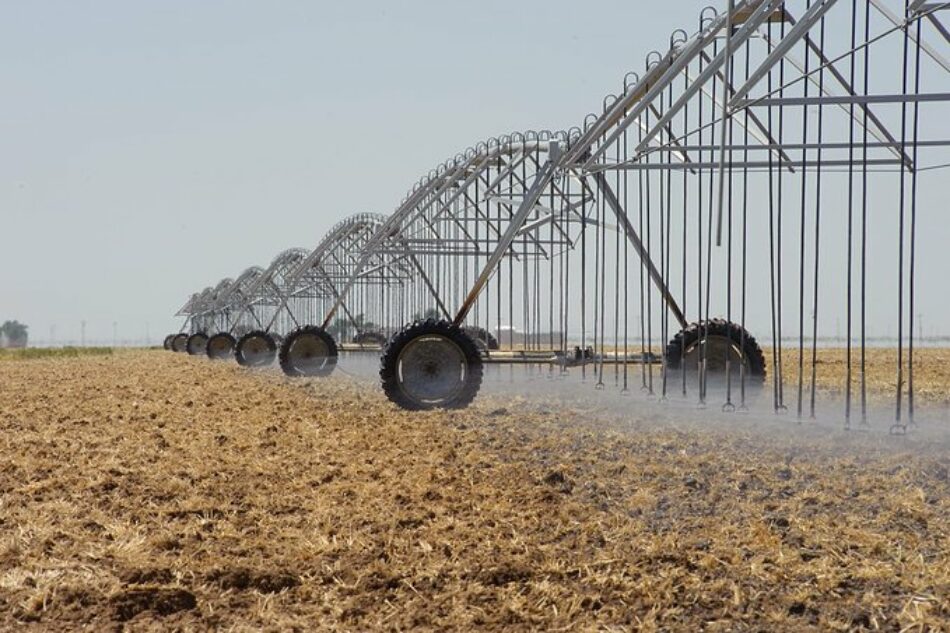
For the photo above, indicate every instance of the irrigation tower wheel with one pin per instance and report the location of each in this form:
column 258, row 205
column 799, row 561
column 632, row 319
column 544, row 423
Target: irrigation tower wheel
column 431, row 365
column 255, row 349
column 179, row 343
column 220, row 346
column 719, row 340
column 167, row 344
column 196, row 344
column 308, row 351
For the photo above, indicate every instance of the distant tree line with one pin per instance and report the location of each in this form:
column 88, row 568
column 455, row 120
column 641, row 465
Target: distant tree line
column 13, row 334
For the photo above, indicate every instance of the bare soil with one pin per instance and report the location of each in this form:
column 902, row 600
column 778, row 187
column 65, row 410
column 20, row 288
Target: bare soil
column 149, row 490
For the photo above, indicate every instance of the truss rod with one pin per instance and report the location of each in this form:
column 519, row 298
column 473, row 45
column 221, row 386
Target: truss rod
column 637, row 244
column 844, row 99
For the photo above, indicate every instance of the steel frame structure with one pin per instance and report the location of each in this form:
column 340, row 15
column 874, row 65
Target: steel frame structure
column 767, row 124
column 266, row 297
column 314, row 284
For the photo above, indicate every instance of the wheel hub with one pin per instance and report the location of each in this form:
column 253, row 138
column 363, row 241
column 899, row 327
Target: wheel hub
column 179, row 343
column 432, row 369
column 196, row 344
column 717, row 351
column 256, row 351
column 220, row 347
column 309, row 354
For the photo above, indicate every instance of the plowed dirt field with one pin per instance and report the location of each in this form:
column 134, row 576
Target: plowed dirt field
column 152, row 490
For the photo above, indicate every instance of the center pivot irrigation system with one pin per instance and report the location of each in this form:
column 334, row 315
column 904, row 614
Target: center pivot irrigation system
column 746, row 170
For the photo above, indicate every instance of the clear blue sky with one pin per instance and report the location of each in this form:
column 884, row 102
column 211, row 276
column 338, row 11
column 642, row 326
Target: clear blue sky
column 151, row 148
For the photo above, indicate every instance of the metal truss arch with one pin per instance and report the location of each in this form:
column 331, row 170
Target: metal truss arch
column 727, row 163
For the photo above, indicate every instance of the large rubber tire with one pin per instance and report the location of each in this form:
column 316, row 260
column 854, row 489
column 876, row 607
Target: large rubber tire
column 255, row 349
column 308, row 351
column 167, row 344
column 482, row 337
column 180, row 343
column 220, row 346
column 431, row 364
column 722, row 335
column 196, row 344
